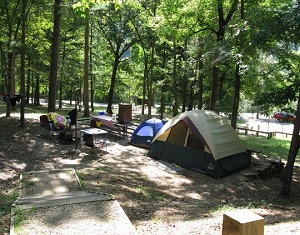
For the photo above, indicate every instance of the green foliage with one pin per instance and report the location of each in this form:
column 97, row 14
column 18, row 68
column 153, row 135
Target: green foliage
column 277, row 97
column 181, row 29
column 81, row 6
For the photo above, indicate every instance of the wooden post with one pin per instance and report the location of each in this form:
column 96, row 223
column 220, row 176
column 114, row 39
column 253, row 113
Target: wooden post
column 258, row 128
column 242, row 222
column 247, row 128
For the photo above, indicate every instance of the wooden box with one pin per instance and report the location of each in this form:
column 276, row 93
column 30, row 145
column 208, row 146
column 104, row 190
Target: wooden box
column 242, row 222
column 125, row 113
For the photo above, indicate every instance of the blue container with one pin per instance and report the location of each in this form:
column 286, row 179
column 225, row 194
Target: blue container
column 101, row 113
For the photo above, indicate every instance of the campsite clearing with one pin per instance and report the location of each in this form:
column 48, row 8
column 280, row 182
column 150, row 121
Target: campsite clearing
column 157, row 198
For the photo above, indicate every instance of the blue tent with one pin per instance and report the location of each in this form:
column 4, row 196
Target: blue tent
column 145, row 132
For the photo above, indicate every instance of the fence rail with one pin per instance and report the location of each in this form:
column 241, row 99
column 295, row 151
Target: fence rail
column 258, row 132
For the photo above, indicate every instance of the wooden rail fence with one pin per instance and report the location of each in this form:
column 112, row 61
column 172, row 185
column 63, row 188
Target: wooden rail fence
column 269, row 134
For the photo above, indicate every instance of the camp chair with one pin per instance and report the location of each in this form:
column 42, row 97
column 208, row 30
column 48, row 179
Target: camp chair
column 53, row 130
column 45, row 123
column 73, row 116
column 67, row 135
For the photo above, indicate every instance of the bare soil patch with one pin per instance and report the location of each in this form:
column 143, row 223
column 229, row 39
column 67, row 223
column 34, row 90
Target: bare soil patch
column 157, row 198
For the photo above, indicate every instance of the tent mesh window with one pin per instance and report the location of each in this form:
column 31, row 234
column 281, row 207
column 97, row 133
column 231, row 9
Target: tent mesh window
column 194, row 142
column 175, row 136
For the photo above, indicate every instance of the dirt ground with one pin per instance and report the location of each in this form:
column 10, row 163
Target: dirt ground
column 158, row 198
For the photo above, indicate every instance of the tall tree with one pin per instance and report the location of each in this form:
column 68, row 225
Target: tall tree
column 237, row 74
column 145, row 30
column 294, row 149
column 117, row 31
column 86, row 64
column 152, row 61
column 22, row 109
column 223, row 21
column 291, row 16
column 281, row 20
column 54, row 56
column 11, row 12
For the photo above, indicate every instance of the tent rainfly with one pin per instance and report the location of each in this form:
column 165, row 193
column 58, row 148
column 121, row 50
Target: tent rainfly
column 145, row 132
column 202, row 141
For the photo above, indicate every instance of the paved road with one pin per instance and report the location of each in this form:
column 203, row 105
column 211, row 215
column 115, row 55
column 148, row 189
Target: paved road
column 268, row 124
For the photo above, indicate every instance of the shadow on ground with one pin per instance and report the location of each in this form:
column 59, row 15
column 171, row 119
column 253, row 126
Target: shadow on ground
column 152, row 195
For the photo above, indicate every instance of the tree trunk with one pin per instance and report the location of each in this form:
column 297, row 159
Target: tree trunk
column 236, row 98
column 62, row 75
column 200, row 91
column 54, row 56
column 37, row 90
column 86, row 66
column 223, row 21
column 4, row 74
column 91, row 72
column 22, row 107
column 200, row 79
column 145, row 80
column 60, row 105
column 163, row 101
column 184, row 79
column 214, row 88
column 32, row 86
column 28, row 83
column 174, row 75
column 191, row 95
column 164, row 86
column 150, row 79
column 12, row 77
column 112, row 84
column 294, row 148
column 37, row 93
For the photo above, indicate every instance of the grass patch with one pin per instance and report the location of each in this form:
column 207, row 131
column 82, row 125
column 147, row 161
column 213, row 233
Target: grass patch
column 43, row 109
column 251, row 205
column 144, row 193
column 104, row 168
column 27, row 183
column 256, row 204
column 81, row 180
column 274, row 147
column 221, row 208
column 155, row 220
column 20, row 216
column 6, row 202
column 137, row 177
column 30, row 108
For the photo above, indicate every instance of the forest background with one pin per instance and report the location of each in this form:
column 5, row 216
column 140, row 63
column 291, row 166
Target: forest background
column 227, row 56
